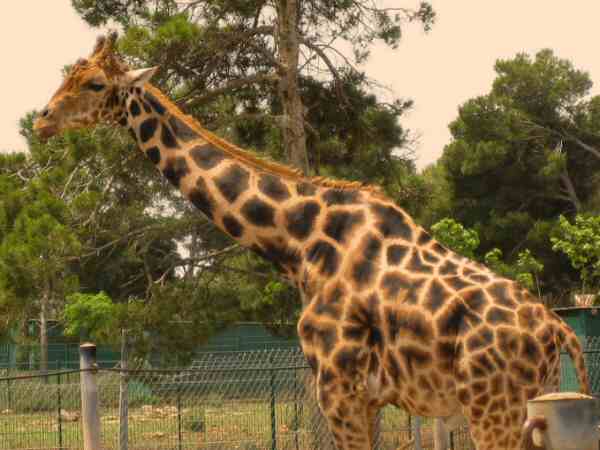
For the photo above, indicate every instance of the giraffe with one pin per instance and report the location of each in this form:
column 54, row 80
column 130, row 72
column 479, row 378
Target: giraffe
column 390, row 316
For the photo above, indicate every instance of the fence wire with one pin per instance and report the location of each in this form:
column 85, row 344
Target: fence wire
column 591, row 351
column 256, row 400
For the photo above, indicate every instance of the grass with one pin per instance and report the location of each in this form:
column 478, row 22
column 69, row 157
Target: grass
column 244, row 425
column 199, row 417
column 241, row 425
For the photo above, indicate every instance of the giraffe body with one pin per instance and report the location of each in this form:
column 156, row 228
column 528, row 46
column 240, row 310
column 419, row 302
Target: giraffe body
column 390, row 316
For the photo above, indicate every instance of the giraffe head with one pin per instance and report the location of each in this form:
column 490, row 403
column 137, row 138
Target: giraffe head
column 93, row 91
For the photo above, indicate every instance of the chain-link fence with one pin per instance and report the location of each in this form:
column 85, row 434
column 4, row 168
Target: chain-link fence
column 259, row 400
column 27, row 357
column 591, row 349
column 226, row 400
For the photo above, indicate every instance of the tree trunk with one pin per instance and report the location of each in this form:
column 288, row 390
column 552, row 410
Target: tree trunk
column 570, row 190
column 44, row 333
column 294, row 138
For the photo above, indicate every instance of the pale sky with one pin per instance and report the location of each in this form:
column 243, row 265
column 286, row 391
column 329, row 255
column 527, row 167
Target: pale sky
column 439, row 70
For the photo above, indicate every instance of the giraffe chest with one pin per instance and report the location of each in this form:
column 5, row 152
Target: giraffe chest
column 425, row 392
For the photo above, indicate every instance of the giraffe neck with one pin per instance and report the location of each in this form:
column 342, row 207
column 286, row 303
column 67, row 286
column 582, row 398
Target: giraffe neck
column 253, row 206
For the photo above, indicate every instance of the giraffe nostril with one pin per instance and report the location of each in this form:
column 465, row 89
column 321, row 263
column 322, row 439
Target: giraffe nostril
column 45, row 112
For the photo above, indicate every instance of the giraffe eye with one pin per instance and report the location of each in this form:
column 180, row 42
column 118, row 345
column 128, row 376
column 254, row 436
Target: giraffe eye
column 97, row 87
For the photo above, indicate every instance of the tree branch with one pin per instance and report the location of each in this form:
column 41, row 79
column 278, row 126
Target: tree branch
column 338, row 80
column 210, row 255
column 232, row 85
column 281, row 69
column 567, row 136
column 594, row 151
column 116, row 241
column 267, row 276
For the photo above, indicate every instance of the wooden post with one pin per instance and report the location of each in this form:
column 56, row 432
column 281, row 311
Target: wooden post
column 440, row 435
column 90, row 419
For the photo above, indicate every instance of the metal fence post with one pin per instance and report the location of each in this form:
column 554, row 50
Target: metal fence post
column 417, row 423
column 377, row 431
column 8, row 391
column 179, row 434
column 296, row 415
column 273, row 412
column 124, row 395
column 90, row 419
column 440, row 435
column 59, row 407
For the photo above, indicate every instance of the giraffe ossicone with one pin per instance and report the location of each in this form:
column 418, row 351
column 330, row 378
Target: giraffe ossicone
column 390, row 316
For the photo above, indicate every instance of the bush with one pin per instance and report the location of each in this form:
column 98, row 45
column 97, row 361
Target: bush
column 141, row 394
column 36, row 395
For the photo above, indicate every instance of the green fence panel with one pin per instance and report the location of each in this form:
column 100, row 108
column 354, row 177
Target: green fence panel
column 7, row 355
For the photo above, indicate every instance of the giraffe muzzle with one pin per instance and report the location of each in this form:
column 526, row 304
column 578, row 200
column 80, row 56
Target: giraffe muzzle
column 45, row 132
column 43, row 126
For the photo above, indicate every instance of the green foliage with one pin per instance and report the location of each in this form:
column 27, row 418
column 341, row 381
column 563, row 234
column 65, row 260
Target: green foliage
column 74, row 221
column 91, row 316
column 580, row 241
column 493, row 259
column 436, row 201
column 32, row 396
column 141, row 394
column 540, row 87
column 556, row 164
column 460, row 239
column 204, row 48
column 521, row 156
column 37, row 244
column 528, row 269
column 525, row 270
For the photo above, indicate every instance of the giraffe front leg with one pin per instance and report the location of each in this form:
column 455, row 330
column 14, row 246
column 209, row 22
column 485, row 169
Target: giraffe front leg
column 350, row 418
column 496, row 408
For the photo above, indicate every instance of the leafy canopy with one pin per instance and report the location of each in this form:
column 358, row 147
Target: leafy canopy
column 580, row 241
column 460, row 239
column 465, row 241
column 92, row 316
column 520, row 157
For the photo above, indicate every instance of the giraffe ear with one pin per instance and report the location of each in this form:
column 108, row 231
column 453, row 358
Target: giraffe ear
column 140, row 77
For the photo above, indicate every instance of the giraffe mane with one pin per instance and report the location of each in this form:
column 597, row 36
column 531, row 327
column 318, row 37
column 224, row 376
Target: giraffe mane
column 252, row 158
